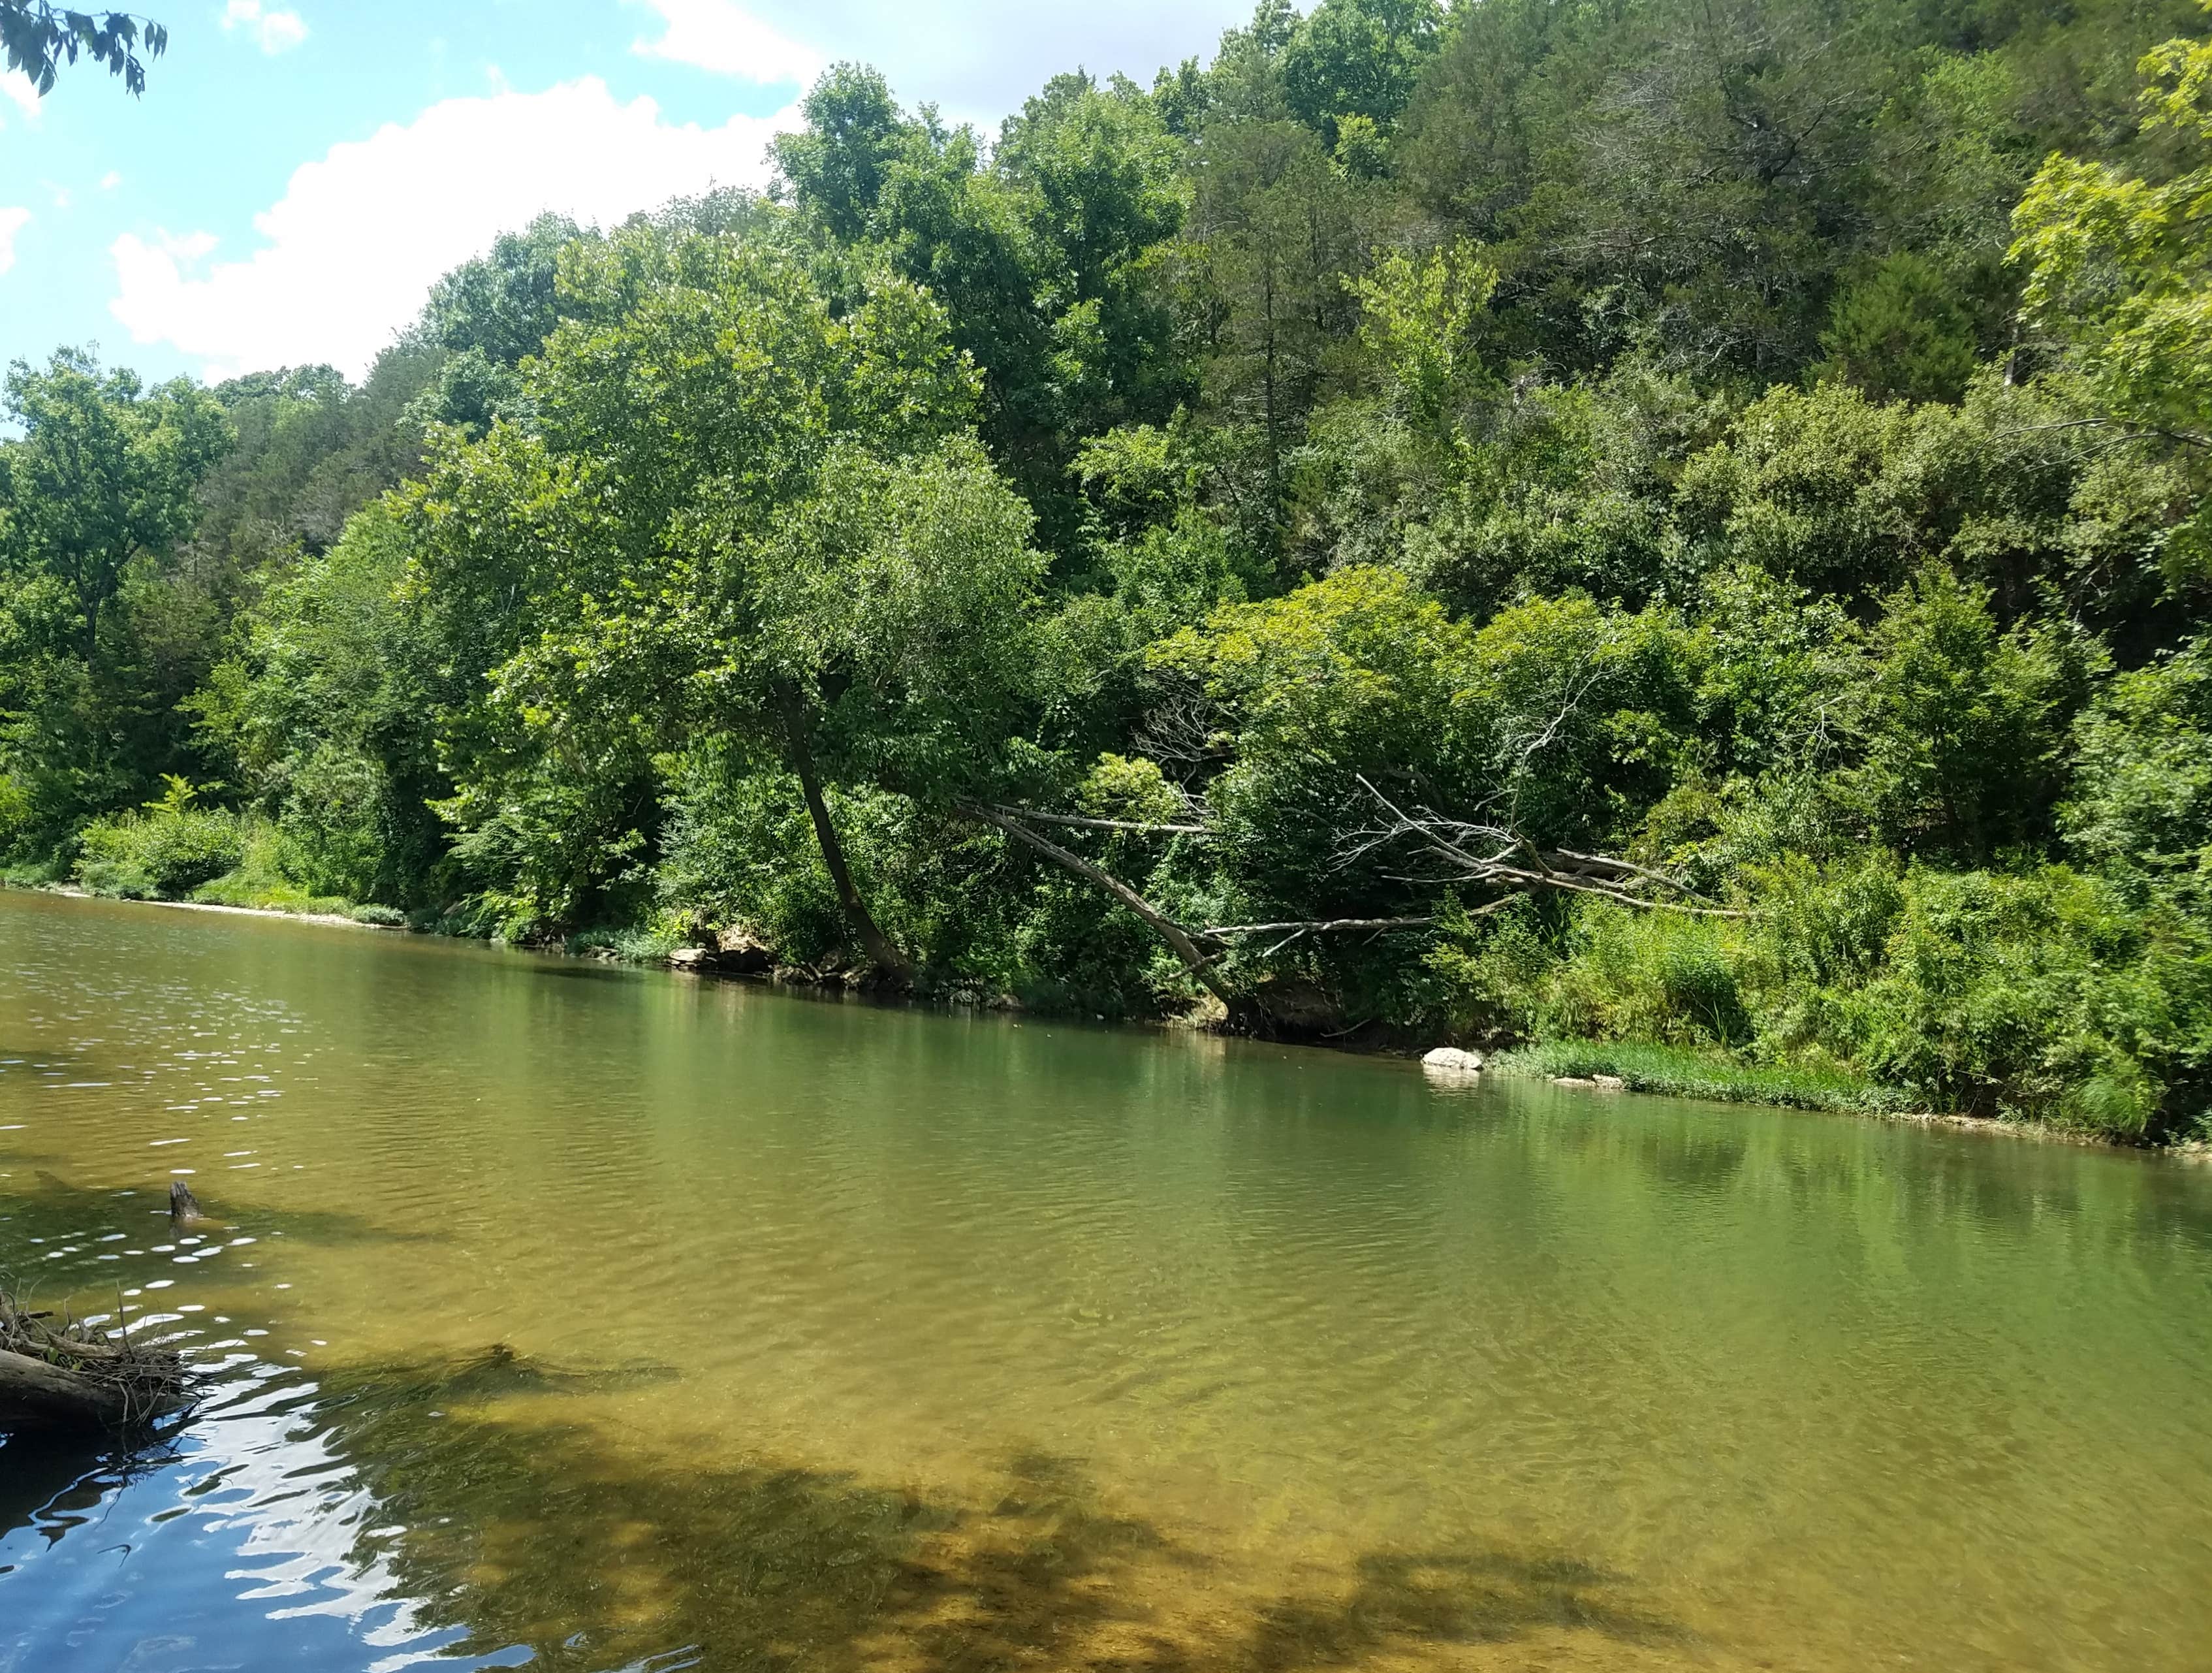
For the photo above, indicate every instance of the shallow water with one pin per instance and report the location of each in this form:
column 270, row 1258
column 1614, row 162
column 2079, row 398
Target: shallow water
column 594, row 1319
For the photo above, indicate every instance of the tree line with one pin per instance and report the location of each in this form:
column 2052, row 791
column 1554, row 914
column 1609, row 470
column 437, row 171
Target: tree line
column 1619, row 519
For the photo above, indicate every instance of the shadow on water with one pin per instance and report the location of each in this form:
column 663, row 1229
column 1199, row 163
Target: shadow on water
column 43, row 1475
column 57, row 1211
column 517, row 1527
column 1457, row 1596
column 58, row 1481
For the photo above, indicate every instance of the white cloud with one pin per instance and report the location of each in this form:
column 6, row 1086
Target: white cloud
column 17, row 89
column 110, row 180
column 12, row 221
column 274, row 32
column 359, row 236
column 716, row 35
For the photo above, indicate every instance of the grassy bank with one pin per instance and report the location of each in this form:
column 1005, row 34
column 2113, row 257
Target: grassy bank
column 1680, row 1072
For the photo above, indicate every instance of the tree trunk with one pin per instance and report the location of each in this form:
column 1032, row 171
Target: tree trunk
column 49, row 1394
column 797, row 730
column 1165, row 927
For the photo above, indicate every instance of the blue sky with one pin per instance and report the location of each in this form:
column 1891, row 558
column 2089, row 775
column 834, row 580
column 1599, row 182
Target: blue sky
column 300, row 170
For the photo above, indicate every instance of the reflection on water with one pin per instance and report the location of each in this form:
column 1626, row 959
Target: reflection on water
column 633, row 1323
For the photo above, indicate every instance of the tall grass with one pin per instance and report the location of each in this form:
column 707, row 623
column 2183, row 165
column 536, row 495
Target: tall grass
column 1682, row 1071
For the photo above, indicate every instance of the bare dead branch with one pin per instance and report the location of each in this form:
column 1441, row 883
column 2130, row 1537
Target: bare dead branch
column 1316, row 926
column 1142, row 827
column 1497, row 857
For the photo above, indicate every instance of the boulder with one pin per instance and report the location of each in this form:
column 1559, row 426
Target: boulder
column 745, row 954
column 1608, row 1083
column 694, row 958
column 1583, row 1081
column 1450, row 1059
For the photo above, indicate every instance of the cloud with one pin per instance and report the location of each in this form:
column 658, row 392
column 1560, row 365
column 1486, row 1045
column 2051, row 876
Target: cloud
column 274, row 32
column 16, row 88
column 359, row 236
column 977, row 59
column 12, row 221
column 110, row 180
column 714, row 34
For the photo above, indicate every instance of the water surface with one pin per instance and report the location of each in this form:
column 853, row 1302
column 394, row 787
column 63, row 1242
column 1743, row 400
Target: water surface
column 596, row 1319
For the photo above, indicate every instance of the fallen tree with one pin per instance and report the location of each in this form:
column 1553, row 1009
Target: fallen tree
column 64, row 1372
column 1487, row 859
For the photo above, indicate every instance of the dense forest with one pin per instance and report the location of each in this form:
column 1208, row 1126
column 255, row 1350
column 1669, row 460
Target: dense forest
column 1675, row 525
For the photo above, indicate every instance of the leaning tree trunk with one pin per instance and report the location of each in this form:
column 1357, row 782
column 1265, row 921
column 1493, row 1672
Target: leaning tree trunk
column 1199, row 964
column 798, row 733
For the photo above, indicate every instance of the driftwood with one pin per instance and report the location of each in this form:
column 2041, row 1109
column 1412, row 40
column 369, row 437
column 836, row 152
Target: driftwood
column 66, row 1373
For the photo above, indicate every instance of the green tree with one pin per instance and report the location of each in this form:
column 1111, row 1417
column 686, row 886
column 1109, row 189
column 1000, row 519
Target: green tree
column 2120, row 268
column 103, row 470
column 1358, row 58
column 742, row 511
column 1902, row 333
column 38, row 39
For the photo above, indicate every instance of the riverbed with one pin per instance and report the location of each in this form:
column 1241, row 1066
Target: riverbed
column 592, row 1318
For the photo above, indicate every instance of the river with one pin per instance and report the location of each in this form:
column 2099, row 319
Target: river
column 591, row 1318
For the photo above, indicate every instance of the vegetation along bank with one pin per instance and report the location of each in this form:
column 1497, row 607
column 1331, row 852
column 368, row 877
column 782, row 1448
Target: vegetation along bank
column 1646, row 527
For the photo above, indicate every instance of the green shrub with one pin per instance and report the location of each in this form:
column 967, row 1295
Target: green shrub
column 649, row 943
column 163, row 850
column 2048, row 996
column 269, row 876
column 1654, row 976
column 381, row 917
column 1680, row 1072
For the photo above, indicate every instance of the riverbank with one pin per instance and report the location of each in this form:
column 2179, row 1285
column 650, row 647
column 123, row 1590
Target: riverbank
column 1599, row 1065
column 1675, row 1071
column 385, row 921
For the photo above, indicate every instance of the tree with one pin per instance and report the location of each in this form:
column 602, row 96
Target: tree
column 2120, row 270
column 1901, row 332
column 97, row 644
column 1274, row 228
column 1358, row 58
column 103, row 471
column 39, row 39
column 741, row 513
column 834, row 166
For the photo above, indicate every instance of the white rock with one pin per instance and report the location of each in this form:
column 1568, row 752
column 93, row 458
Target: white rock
column 1450, row 1059
column 1608, row 1083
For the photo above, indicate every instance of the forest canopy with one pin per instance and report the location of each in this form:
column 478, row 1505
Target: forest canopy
column 1515, row 522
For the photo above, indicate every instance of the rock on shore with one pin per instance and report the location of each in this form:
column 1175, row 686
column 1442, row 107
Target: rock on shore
column 1450, row 1059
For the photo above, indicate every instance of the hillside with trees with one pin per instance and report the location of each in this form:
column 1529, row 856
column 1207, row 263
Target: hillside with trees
column 1588, row 523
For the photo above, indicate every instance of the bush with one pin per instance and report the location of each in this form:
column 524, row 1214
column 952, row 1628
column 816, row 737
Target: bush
column 1678, row 1072
column 381, row 917
column 163, row 851
column 2048, row 996
column 269, row 876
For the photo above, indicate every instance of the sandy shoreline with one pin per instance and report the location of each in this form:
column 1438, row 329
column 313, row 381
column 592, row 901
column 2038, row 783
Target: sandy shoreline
column 337, row 918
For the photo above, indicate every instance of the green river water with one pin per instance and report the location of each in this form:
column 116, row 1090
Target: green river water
column 592, row 1318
